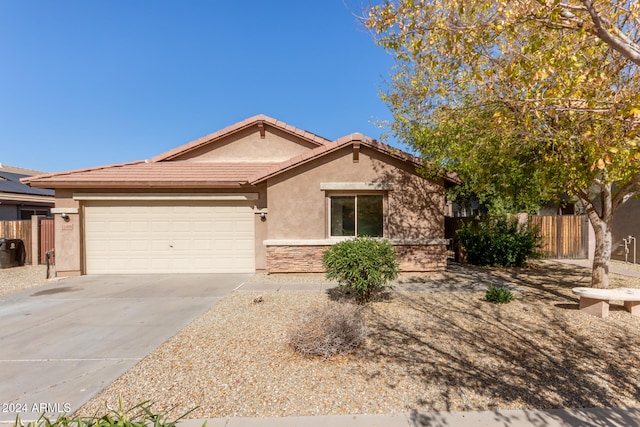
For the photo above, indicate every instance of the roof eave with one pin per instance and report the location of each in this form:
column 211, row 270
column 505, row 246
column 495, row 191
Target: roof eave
column 141, row 184
column 31, row 198
column 34, row 181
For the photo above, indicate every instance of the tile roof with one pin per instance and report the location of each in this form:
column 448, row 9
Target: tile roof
column 162, row 172
column 244, row 124
column 154, row 174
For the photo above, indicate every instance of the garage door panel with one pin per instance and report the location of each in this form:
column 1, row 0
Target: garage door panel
column 158, row 246
column 202, row 245
column 223, row 245
column 162, row 227
column 101, row 245
column 182, row 227
column 244, row 228
column 138, row 245
column 168, row 237
column 202, row 227
column 243, row 245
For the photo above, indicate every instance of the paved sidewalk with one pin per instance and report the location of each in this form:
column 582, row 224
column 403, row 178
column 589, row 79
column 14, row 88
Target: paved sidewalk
column 631, row 270
column 596, row 417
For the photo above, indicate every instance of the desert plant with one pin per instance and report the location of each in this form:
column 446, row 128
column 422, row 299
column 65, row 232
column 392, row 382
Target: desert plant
column 363, row 264
column 500, row 241
column 335, row 328
column 498, row 295
column 137, row 416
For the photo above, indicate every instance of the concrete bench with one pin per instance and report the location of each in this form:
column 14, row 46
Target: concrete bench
column 596, row 301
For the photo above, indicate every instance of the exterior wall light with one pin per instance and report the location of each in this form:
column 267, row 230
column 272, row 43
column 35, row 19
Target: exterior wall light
column 65, row 217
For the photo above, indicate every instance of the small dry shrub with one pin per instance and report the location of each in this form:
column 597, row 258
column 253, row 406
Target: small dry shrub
column 336, row 328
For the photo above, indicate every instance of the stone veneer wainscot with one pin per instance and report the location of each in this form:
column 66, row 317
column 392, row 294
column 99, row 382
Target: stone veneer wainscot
column 305, row 256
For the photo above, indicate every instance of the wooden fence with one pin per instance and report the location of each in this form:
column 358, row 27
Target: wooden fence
column 46, row 240
column 23, row 230
column 20, row 229
column 563, row 236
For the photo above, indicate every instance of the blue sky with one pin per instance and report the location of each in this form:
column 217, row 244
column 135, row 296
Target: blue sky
column 87, row 83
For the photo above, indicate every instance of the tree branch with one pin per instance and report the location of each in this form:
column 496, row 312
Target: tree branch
column 621, row 44
column 626, row 192
column 589, row 208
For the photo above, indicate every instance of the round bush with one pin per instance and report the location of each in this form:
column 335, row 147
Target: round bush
column 363, row 265
column 499, row 241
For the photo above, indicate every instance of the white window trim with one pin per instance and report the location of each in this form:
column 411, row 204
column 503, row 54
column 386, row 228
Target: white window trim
column 355, row 194
column 355, row 186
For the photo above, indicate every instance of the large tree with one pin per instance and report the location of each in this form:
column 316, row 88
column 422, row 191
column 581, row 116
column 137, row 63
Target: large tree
column 522, row 98
column 617, row 23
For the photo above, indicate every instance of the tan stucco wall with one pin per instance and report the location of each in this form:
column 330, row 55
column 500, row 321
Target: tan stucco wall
column 297, row 205
column 626, row 222
column 261, row 226
column 248, row 146
column 69, row 235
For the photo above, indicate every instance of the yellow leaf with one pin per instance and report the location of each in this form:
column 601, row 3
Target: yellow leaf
column 607, row 159
column 600, row 164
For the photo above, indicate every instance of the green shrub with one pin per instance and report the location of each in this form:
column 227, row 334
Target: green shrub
column 138, row 416
column 498, row 295
column 363, row 265
column 499, row 241
column 337, row 328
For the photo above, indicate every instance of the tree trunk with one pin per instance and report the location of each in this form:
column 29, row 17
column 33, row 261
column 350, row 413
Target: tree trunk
column 602, row 256
column 601, row 222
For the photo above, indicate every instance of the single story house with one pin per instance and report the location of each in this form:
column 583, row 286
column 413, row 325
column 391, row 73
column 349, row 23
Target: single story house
column 18, row 200
column 257, row 195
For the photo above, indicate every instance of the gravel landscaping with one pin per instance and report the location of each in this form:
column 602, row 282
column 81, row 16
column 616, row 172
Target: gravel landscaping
column 427, row 349
column 15, row 279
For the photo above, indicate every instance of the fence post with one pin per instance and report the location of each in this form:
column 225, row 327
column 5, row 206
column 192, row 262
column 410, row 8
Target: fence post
column 35, row 240
column 559, row 240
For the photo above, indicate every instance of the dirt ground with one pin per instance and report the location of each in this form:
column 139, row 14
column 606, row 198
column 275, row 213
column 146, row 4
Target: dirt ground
column 432, row 348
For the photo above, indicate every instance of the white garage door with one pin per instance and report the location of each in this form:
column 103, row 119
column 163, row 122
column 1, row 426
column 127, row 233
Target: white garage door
column 168, row 237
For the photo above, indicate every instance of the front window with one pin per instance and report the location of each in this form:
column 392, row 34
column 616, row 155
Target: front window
column 357, row 215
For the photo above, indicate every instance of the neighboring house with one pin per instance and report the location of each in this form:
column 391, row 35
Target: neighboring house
column 257, row 195
column 625, row 231
column 19, row 201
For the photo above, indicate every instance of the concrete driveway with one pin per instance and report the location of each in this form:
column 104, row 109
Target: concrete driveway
column 63, row 342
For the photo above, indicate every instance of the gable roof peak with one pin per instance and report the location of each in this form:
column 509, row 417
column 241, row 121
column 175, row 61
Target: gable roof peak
column 257, row 120
column 345, row 141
